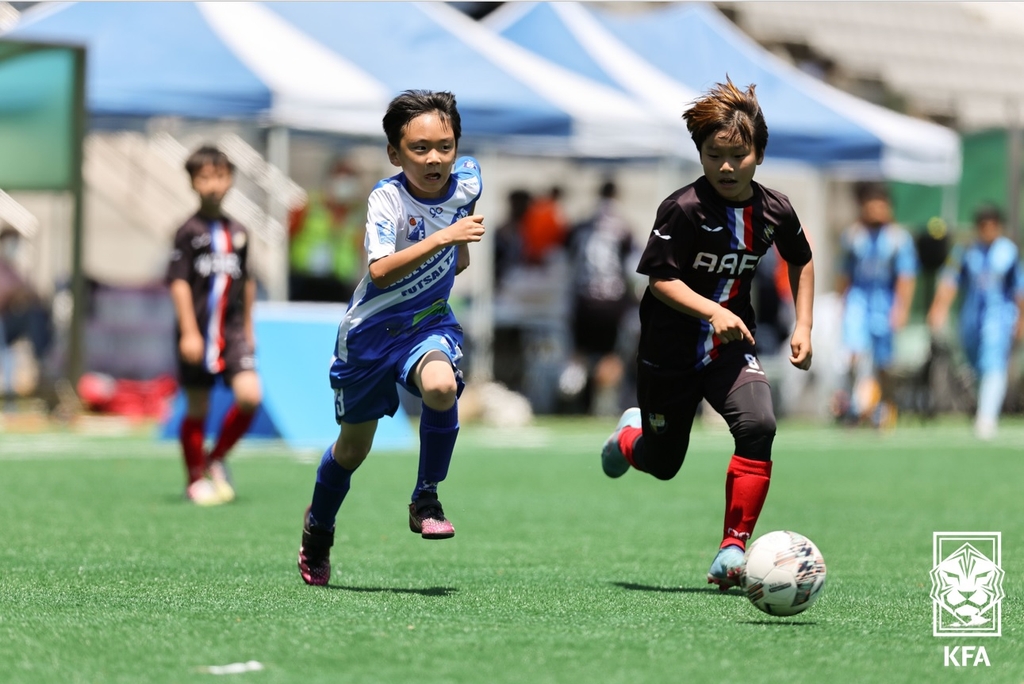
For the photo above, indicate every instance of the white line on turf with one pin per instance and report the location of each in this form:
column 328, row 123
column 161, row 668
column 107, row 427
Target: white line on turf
column 233, row 668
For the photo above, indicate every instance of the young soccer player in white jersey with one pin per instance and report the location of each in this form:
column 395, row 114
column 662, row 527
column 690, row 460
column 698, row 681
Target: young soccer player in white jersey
column 399, row 327
column 697, row 323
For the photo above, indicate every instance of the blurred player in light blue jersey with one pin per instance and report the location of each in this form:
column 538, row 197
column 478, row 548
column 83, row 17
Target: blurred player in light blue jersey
column 399, row 327
column 878, row 271
column 988, row 273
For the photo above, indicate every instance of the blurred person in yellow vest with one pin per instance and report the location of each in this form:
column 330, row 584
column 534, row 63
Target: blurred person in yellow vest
column 326, row 251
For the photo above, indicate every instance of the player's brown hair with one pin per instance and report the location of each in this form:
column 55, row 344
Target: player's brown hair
column 207, row 154
column 726, row 108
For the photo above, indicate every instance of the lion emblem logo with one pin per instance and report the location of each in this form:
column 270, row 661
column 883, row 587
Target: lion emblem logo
column 967, row 588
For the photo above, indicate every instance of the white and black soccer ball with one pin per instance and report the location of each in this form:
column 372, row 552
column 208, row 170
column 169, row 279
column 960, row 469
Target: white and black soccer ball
column 783, row 574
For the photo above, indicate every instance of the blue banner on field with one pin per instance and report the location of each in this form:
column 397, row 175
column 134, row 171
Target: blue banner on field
column 294, row 342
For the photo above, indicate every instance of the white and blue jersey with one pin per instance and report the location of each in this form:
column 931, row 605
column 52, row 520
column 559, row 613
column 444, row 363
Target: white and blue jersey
column 385, row 331
column 990, row 281
column 872, row 261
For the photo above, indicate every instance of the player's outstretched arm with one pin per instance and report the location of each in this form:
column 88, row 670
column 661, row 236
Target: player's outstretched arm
column 938, row 312
column 901, row 302
column 248, row 303
column 801, row 281
column 1018, row 328
column 388, row 270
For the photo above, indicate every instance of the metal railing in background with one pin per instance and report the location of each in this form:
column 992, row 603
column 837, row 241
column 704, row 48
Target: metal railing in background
column 17, row 216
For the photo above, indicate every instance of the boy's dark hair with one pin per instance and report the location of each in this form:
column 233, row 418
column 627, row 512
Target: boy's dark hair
column 988, row 212
column 865, row 191
column 413, row 103
column 207, row 154
column 726, row 108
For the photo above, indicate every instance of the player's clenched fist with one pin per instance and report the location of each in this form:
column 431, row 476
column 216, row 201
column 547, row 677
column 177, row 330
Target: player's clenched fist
column 468, row 229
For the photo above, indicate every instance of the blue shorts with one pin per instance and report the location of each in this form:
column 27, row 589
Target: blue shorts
column 368, row 392
column 867, row 333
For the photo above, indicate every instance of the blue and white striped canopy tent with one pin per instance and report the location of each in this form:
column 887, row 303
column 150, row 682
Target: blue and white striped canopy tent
column 664, row 56
column 333, row 67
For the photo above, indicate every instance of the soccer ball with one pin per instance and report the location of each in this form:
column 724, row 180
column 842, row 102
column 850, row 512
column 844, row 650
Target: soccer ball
column 783, row 573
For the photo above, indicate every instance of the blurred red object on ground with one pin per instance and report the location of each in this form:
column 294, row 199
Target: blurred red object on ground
column 134, row 398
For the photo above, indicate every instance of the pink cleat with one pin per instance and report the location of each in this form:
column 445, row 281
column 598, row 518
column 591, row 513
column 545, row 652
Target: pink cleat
column 426, row 518
column 221, row 479
column 202, row 492
column 315, row 554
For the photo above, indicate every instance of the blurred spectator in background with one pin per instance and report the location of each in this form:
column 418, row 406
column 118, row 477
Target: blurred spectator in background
column 988, row 273
column 601, row 251
column 326, row 251
column 508, row 239
column 24, row 313
column 773, row 304
column 544, row 226
column 878, row 271
column 933, row 245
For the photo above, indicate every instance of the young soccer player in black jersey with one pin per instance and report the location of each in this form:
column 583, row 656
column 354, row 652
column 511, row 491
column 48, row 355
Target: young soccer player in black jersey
column 696, row 321
column 213, row 295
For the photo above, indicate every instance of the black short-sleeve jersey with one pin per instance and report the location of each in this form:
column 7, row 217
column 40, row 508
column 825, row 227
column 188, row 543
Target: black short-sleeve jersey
column 211, row 256
column 713, row 245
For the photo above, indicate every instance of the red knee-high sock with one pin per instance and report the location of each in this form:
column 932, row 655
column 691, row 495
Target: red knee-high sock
column 627, row 439
column 191, row 437
column 235, row 424
column 746, row 486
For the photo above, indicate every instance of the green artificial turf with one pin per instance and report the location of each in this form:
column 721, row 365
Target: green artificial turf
column 557, row 574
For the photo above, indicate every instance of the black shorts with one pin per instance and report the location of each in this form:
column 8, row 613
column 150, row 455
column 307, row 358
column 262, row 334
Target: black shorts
column 238, row 356
column 668, row 402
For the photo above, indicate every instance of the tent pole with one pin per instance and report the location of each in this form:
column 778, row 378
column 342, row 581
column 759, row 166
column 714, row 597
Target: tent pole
column 1014, row 171
column 950, row 204
column 278, row 154
column 481, row 272
column 76, row 353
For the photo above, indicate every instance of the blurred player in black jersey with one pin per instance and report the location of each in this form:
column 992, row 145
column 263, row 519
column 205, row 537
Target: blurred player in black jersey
column 213, row 296
column 696, row 321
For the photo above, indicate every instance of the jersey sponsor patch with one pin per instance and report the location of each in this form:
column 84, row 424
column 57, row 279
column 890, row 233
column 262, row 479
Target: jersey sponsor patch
column 729, row 264
column 416, row 230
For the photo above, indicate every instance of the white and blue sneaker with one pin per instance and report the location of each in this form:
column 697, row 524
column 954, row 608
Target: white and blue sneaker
column 612, row 460
column 727, row 567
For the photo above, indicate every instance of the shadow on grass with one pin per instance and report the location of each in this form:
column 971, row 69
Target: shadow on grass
column 632, row 586
column 431, row 591
column 781, row 622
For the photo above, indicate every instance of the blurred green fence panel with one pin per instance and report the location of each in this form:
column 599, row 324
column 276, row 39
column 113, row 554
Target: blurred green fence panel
column 37, row 116
column 984, row 179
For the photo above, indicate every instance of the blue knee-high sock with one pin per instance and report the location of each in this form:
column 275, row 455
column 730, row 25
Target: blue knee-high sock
column 438, row 432
column 332, row 483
